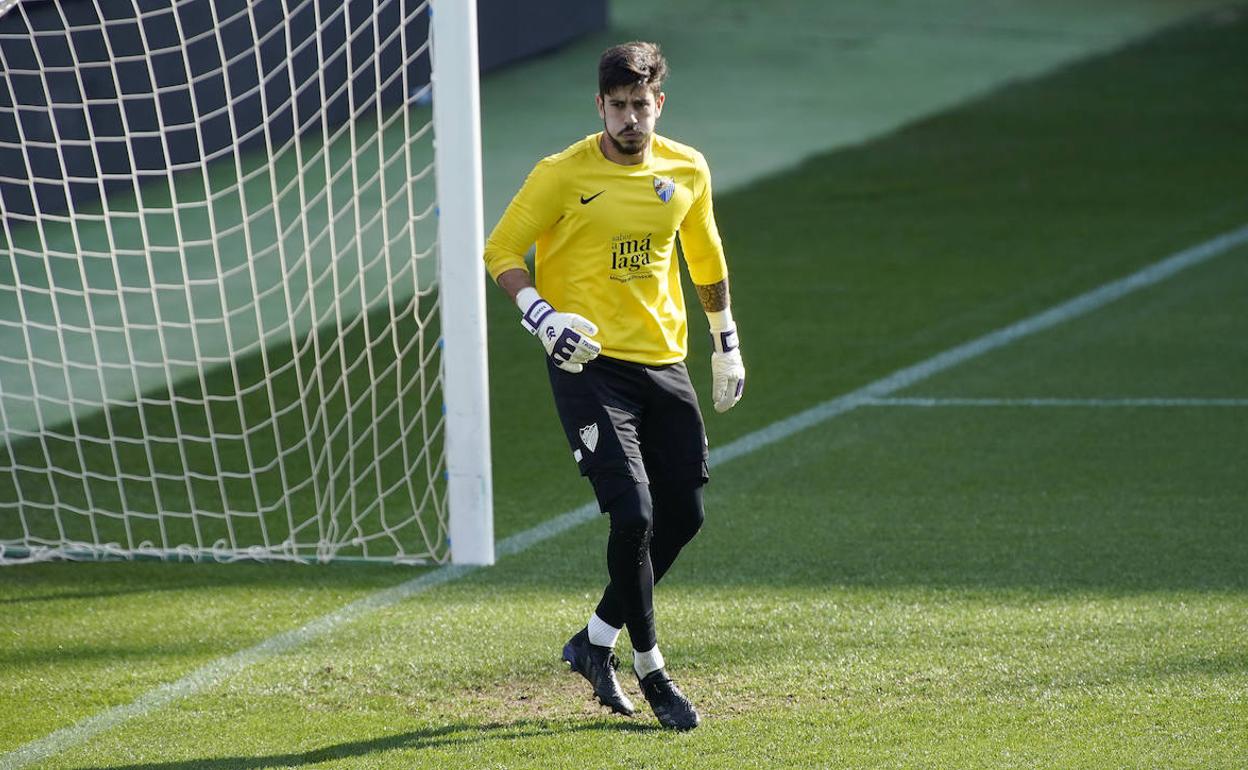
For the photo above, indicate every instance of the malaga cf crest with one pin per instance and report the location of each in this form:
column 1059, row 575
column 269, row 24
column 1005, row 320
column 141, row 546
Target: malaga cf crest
column 589, row 436
column 664, row 187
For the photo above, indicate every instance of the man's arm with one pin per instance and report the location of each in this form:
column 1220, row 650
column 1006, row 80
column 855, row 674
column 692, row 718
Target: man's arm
column 513, row 280
column 567, row 337
column 704, row 255
column 727, row 368
column 532, row 210
column 714, row 297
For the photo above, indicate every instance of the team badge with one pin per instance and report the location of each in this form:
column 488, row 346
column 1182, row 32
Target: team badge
column 589, row 436
column 664, row 187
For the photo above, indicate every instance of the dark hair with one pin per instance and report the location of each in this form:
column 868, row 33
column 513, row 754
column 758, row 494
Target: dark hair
column 632, row 64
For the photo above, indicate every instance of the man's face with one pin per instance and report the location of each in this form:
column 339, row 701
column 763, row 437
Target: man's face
column 628, row 116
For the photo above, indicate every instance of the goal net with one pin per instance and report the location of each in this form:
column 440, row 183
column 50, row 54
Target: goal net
column 224, row 272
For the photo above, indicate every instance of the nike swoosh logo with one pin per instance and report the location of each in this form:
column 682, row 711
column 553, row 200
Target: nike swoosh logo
column 585, row 200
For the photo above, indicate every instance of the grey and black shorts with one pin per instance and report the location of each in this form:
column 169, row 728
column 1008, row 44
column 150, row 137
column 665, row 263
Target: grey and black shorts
column 630, row 423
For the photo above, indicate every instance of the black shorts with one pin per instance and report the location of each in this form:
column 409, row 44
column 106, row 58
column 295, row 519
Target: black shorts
column 628, row 423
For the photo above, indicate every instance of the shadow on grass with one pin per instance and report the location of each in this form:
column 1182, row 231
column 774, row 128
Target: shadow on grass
column 76, row 595
column 51, row 582
column 461, row 734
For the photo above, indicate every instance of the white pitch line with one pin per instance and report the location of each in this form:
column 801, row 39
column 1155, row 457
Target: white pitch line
column 212, row 673
column 1094, row 403
column 904, row 378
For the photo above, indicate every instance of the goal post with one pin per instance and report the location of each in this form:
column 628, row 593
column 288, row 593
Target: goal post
column 457, row 128
column 241, row 292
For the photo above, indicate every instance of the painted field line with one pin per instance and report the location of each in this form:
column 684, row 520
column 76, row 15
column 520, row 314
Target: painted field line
column 903, row 378
column 1092, row 403
column 216, row 671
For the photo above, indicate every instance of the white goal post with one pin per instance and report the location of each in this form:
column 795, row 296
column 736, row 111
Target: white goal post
column 241, row 288
column 457, row 126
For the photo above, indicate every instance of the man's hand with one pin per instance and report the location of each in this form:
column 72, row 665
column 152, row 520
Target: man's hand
column 567, row 337
column 727, row 369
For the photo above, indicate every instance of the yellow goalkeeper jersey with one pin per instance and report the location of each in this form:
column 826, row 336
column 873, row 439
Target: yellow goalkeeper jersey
column 606, row 242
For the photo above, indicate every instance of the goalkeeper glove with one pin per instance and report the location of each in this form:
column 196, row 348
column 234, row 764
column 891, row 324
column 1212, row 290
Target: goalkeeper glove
column 727, row 368
column 567, row 337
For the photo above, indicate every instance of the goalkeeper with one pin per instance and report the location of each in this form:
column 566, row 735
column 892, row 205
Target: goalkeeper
column 608, row 308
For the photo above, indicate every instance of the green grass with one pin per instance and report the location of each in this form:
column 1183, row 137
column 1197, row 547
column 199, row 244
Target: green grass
column 899, row 587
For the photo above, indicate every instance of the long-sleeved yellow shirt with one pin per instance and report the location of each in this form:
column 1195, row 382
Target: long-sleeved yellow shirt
column 606, row 242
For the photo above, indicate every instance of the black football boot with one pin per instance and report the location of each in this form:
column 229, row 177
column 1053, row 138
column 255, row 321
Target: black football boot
column 670, row 705
column 598, row 665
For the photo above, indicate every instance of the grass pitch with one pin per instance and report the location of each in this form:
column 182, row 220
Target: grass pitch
column 948, row 585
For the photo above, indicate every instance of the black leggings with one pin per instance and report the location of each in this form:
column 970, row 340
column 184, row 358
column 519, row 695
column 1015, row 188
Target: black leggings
column 650, row 523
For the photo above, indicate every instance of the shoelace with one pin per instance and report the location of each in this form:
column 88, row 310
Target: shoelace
column 661, row 685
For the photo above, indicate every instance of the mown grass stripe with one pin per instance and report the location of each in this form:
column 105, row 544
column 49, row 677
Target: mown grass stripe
column 1046, row 319
column 212, row 673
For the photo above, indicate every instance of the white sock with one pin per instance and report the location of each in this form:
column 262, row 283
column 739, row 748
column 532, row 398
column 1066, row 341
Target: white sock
column 645, row 662
column 601, row 632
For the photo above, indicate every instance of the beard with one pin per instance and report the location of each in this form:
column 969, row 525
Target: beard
column 631, row 146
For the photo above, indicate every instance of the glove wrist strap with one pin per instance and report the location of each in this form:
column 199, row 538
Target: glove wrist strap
column 533, row 309
column 723, row 330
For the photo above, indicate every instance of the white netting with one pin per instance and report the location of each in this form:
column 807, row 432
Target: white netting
column 218, row 323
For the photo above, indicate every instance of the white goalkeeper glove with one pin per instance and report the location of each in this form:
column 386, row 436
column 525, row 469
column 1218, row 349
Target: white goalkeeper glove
column 567, row 337
column 727, row 368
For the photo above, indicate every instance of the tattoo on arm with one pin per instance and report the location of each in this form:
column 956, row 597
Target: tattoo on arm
column 713, row 296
